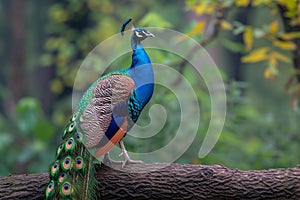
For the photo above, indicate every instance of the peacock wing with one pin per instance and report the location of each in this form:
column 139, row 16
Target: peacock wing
column 108, row 93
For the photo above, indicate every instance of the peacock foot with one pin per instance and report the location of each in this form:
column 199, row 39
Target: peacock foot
column 109, row 162
column 127, row 160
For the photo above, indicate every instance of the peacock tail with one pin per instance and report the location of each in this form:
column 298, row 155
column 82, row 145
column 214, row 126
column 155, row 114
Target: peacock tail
column 72, row 173
column 105, row 113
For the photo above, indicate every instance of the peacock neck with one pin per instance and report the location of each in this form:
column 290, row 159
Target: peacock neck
column 142, row 73
column 139, row 56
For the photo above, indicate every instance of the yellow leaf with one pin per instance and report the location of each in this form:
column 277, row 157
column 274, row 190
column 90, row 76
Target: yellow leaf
column 267, row 73
column 286, row 45
column 199, row 9
column 226, row 25
column 242, row 3
column 248, row 38
column 256, row 2
column 197, row 29
column 280, row 57
column 256, row 55
column 210, row 9
column 290, row 36
column 282, row 2
column 273, row 27
column 260, row 2
column 56, row 86
column 273, row 60
column 203, row 8
column 291, row 4
column 271, row 72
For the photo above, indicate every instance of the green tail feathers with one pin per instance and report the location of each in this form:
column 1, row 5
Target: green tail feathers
column 72, row 175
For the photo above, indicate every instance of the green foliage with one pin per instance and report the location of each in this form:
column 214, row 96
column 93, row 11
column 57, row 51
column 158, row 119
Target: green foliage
column 24, row 139
column 279, row 41
column 265, row 145
column 76, row 27
column 256, row 138
column 155, row 20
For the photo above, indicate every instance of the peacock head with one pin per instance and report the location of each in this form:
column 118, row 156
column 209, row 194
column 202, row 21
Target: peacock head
column 139, row 34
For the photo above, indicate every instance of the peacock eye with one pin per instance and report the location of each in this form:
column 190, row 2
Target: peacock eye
column 59, row 150
column 79, row 137
column 67, row 163
column 70, row 145
column 74, row 117
column 71, row 127
column 50, row 188
column 79, row 165
column 139, row 34
column 54, row 169
column 66, row 189
column 66, row 186
column 61, row 178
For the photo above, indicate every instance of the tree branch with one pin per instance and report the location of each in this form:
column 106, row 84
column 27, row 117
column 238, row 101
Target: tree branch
column 171, row 181
column 211, row 32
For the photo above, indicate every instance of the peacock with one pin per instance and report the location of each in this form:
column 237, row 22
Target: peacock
column 105, row 113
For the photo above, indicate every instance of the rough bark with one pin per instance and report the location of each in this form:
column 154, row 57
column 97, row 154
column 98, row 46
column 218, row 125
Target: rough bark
column 171, row 181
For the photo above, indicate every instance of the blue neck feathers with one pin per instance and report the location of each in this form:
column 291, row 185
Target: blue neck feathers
column 142, row 73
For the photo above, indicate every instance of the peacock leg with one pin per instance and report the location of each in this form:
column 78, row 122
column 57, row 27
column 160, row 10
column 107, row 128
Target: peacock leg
column 108, row 161
column 127, row 160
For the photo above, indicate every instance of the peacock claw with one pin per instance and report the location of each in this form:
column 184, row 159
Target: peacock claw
column 127, row 160
column 109, row 162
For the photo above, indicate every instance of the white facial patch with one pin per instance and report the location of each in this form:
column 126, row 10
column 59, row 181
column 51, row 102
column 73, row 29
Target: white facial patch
column 138, row 34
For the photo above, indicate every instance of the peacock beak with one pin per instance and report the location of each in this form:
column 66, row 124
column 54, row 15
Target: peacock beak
column 150, row 34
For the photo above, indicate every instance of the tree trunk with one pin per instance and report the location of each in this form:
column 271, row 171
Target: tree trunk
column 17, row 83
column 171, row 181
column 290, row 28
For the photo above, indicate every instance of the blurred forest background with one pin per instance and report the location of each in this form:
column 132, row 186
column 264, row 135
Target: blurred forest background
column 253, row 42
